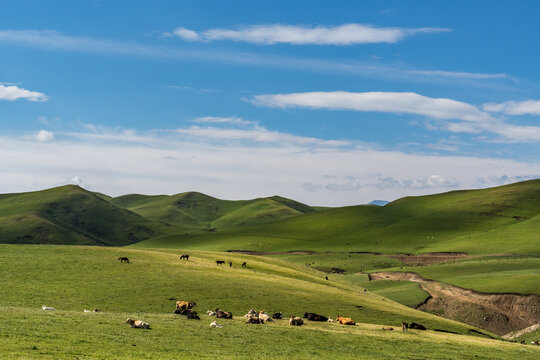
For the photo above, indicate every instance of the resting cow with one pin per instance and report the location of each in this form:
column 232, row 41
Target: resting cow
column 315, row 317
column 137, row 324
column 264, row 316
column 254, row 320
column 417, row 326
column 345, row 320
column 295, row 321
column 277, row 316
column 223, row 314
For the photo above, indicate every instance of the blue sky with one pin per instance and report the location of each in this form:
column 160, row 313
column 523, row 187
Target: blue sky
column 328, row 103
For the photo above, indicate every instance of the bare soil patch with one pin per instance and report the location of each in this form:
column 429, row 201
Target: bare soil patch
column 498, row 313
column 429, row 258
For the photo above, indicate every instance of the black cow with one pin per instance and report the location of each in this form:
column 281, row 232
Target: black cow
column 417, row 326
column 123, row 259
column 315, row 317
column 277, row 316
column 220, row 262
column 184, row 257
column 244, row 264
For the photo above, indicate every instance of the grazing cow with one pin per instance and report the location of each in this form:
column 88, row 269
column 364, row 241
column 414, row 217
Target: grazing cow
column 295, row 321
column 388, row 328
column 315, row 317
column 137, row 324
column 123, row 259
column 220, row 262
column 244, row 264
column 230, row 263
column 211, row 313
column 264, row 316
column 404, row 326
column 215, row 324
column 277, row 316
column 47, row 308
column 182, row 305
column 326, row 277
column 345, row 320
column 417, row 326
column 223, row 314
column 184, row 257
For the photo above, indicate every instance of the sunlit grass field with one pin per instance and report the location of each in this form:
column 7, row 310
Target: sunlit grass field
column 72, row 278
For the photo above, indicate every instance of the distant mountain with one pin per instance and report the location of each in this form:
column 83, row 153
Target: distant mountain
column 379, row 202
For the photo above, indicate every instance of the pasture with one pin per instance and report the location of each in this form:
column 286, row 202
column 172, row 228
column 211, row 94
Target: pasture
column 72, row 278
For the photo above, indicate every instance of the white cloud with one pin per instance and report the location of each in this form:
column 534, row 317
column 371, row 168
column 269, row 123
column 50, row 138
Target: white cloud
column 394, row 102
column 470, row 119
column 12, row 92
column 55, row 41
column 44, row 136
column 223, row 120
column 186, row 34
column 347, row 34
column 164, row 161
column 531, row 107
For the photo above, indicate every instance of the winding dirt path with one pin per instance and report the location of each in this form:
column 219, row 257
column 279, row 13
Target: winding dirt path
column 498, row 313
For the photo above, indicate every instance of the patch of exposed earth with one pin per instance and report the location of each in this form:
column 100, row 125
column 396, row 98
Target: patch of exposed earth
column 498, row 313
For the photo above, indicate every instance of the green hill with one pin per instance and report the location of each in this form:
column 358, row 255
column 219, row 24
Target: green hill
column 201, row 211
column 72, row 278
column 69, row 215
column 496, row 220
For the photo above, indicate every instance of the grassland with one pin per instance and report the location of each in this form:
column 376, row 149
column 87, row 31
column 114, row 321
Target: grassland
column 479, row 222
column 71, row 278
column 519, row 275
column 70, row 215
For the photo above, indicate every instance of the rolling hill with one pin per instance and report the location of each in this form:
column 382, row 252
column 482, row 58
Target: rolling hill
column 201, row 211
column 70, row 215
column 496, row 220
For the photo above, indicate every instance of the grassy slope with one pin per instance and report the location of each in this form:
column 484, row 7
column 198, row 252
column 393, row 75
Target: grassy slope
column 69, row 215
column 492, row 274
column 495, row 220
column 73, row 278
column 205, row 212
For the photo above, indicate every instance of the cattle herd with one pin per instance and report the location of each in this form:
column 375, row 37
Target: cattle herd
column 185, row 308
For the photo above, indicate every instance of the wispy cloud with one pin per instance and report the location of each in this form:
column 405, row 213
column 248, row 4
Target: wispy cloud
column 13, row 92
column 531, row 107
column 347, row 34
column 459, row 74
column 48, row 40
column 454, row 116
column 192, row 89
column 223, row 120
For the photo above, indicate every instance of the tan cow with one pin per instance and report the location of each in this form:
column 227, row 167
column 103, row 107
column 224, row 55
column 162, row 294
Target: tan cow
column 345, row 320
column 137, row 324
column 185, row 305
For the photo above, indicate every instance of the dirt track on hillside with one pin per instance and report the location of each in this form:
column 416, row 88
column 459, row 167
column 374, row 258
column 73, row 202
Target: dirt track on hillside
column 498, row 313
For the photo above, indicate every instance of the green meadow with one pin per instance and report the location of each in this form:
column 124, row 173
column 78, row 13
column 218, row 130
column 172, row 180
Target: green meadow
column 72, row 278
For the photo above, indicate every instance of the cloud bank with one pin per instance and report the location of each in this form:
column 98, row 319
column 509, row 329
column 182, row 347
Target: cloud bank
column 250, row 162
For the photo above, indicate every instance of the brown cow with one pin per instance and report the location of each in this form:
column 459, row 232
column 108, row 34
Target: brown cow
column 295, row 321
column 183, row 305
column 223, row 314
column 345, row 320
